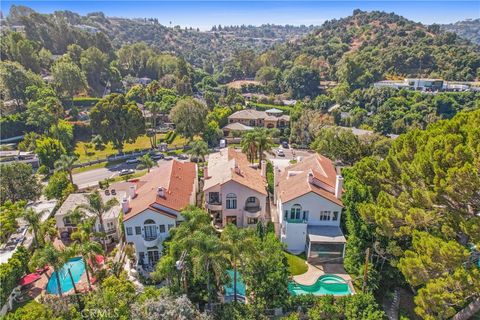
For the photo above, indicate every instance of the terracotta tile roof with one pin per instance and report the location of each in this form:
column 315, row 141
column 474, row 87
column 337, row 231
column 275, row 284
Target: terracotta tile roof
column 178, row 179
column 222, row 169
column 293, row 181
column 250, row 114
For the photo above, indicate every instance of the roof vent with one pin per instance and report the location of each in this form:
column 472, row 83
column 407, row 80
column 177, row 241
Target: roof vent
column 161, row 192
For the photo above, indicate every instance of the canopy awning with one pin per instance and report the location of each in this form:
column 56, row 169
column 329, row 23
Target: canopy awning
column 325, row 234
column 29, row 279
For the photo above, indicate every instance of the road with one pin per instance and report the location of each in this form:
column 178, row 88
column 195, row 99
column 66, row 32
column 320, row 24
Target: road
column 290, row 153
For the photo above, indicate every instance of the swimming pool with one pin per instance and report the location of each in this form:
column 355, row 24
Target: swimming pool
column 77, row 268
column 326, row 284
column 240, row 286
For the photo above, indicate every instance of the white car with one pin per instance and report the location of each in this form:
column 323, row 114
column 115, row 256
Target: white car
column 124, row 172
column 280, row 153
column 130, row 161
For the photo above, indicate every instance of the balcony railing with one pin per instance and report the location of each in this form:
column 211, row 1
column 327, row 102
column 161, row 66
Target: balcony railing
column 253, row 209
column 296, row 220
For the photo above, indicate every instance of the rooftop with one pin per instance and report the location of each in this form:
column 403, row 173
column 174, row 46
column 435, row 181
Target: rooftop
column 293, row 181
column 222, row 169
column 325, row 234
column 237, row 126
column 75, row 199
column 178, row 180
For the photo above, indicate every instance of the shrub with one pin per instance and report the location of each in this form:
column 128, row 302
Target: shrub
column 12, row 271
column 85, row 102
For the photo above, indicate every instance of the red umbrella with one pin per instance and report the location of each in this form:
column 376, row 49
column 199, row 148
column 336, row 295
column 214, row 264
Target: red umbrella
column 99, row 259
column 29, row 279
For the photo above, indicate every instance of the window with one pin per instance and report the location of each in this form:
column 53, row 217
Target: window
column 141, row 257
column 305, row 215
column 252, row 220
column 68, row 221
column 325, row 215
column 335, row 216
column 129, row 231
column 150, row 230
column 251, row 199
column 231, row 201
column 213, row 197
column 138, row 230
column 170, row 226
column 295, row 212
column 162, row 228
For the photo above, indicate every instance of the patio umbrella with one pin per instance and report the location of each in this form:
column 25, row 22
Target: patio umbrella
column 29, row 279
column 99, row 259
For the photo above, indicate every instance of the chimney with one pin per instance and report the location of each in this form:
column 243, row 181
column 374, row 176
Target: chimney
column 205, row 172
column 310, row 177
column 125, row 204
column 338, row 186
column 161, row 192
column 132, row 191
column 237, row 168
column 263, row 168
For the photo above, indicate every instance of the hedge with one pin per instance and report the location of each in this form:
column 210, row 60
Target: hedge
column 85, row 102
column 12, row 271
column 13, row 125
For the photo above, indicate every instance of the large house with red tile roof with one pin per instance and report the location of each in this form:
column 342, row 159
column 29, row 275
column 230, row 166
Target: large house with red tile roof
column 309, row 207
column 235, row 191
column 159, row 198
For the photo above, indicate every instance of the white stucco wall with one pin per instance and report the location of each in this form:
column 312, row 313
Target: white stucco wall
column 139, row 220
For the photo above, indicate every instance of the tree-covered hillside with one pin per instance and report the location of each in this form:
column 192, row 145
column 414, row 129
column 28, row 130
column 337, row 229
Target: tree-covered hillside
column 418, row 210
column 468, row 29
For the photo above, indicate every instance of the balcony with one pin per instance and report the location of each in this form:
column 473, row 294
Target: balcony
column 253, row 211
column 297, row 221
column 110, row 231
column 151, row 241
column 214, row 206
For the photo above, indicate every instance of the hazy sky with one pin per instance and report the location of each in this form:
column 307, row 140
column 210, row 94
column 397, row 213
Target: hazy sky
column 204, row 14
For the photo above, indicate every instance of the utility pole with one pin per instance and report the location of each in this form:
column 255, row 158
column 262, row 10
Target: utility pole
column 365, row 272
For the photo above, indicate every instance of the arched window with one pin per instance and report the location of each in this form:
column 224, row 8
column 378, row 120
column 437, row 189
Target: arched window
column 231, row 201
column 150, row 230
column 295, row 211
column 149, row 221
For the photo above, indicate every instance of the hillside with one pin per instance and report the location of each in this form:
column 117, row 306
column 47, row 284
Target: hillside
column 468, row 29
column 368, row 46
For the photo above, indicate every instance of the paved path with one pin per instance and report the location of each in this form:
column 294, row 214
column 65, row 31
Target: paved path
column 309, row 277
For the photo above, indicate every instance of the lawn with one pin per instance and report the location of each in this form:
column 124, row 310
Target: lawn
column 142, row 143
column 296, row 265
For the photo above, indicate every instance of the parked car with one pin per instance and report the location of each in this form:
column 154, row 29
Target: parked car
column 130, row 161
column 124, row 172
column 158, row 156
column 183, row 157
column 280, row 153
column 285, row 144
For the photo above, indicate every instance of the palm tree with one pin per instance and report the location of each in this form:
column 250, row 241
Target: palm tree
column 249, row 145
column 53, row 257
column 65, row 163
column 264, row 142
column 98, row 207
column 48, row 228
column 146, row 162
column 84, row 246
column 155, row 108
column 208, row 257
column 33, row 219
column 198, row 149
column 236, row 242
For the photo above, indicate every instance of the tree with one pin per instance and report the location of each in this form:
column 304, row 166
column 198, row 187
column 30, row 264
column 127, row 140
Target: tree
column 44, row 109
column 87, row 248
column 33, row 219
column 212, row 133
column 96, row 206
column 338, row 144
column 63, row 132
column 32, row 310
column 14, row 81
column 117, row 120
column 237, row 243
column 59, row 186
column 249, row 145
column 49, row 150
column 189, row 117
column 68, row 78
column 198, row 149
column 302, row 82
column 8, row 218
column 165, row 307
column 264, row 142
column 146, row 162
column 96, row 68
column 97, row 141
column 66, row 163
column 18, row 183
column 56, row 258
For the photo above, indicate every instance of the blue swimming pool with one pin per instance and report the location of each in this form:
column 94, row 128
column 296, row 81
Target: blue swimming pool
column 77, row 268
column 240, row 285
column 326, row 284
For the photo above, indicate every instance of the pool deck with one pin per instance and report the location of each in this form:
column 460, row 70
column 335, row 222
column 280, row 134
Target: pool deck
column 316, row 271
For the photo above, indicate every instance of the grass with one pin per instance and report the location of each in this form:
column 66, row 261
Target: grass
column 142, row 143
column 296, row 265
column 137, row 174
column 96, row 166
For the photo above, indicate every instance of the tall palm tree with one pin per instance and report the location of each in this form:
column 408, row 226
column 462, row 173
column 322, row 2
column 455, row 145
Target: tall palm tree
column 236, row 243
column 98, row 207
column 84, row 246
column 146, row 162
column 53, row 257
column 33, row 219
column 263, row 141
column 48, row 228
column 249, row 145
column 155, row 108
column 198, row 149
column 208, row 258
column 65, row 163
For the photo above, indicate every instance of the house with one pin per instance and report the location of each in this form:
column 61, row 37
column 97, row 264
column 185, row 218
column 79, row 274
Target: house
column 66, row 226
column 309, row 207
column 155, row 210
column 272, row 118
column 235, row 191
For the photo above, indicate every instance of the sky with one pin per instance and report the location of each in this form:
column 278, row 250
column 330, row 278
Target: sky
column 204, row 14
